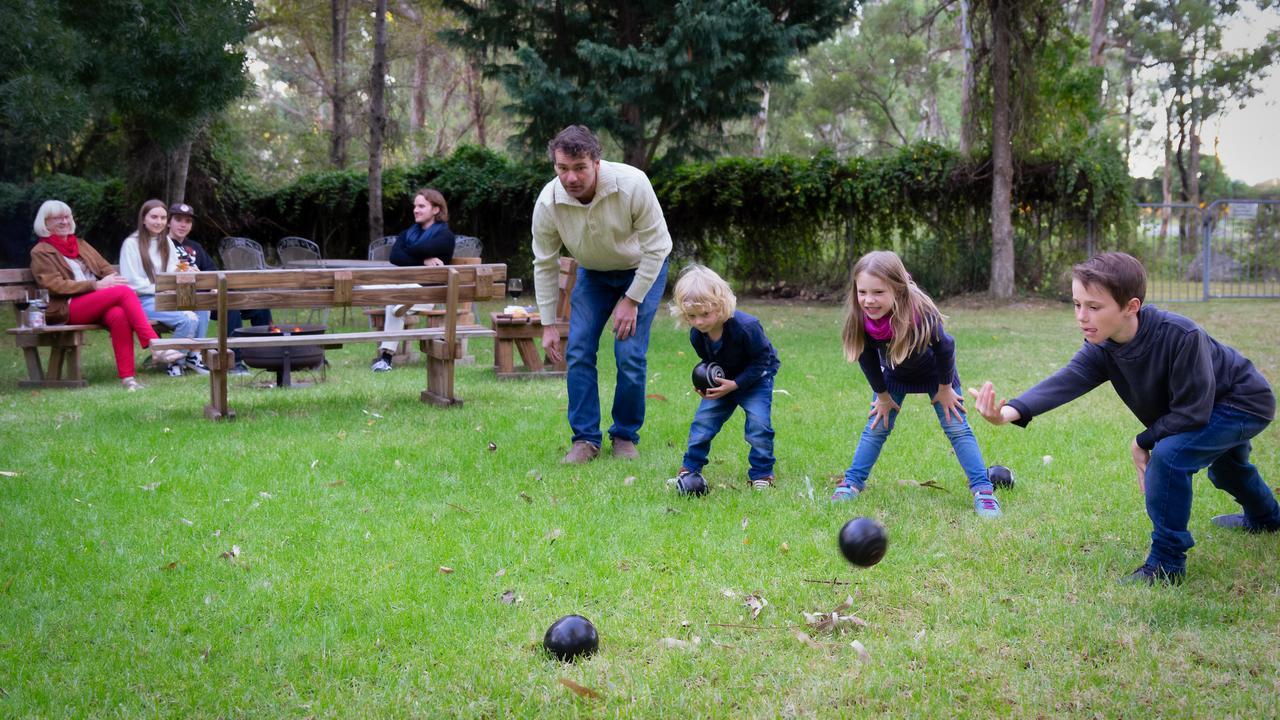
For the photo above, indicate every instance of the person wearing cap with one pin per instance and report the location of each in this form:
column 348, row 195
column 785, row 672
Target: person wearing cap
column 181, row 221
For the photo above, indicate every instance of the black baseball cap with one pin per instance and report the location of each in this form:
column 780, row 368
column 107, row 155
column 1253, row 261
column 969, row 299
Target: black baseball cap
column 181, row 209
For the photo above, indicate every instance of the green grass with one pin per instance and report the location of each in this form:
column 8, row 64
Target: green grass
column 346, row 499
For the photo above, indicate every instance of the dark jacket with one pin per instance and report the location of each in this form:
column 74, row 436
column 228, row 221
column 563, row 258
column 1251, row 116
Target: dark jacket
column 1170, row 374
column 53, row 274
column 745, row 352
column 204, row 261
column 922, row 372
column 416, row 244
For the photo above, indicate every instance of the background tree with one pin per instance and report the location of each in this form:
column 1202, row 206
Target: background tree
column 377, row 117
column 651, row 74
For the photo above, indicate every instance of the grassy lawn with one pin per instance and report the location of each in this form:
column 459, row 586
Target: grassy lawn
column 293, row 563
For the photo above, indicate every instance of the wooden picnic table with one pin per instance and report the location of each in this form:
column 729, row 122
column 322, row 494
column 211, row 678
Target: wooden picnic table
column 330, row 263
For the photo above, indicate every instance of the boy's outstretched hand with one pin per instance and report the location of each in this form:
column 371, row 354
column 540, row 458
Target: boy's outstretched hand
column 996, row 413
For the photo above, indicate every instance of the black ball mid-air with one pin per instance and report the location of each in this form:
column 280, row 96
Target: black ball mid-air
column 705, row 375
column 571, row 637
column 1000, row 476
column 863, row 541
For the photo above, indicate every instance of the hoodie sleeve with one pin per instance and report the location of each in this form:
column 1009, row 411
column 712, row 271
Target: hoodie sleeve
column 1083, row 373
column 759, row 353
column 869, row 361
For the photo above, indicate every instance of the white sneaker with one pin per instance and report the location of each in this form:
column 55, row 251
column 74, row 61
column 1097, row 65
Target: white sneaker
column 174, row 370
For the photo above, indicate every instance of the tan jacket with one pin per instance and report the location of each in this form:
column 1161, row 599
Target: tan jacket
column 52, row 273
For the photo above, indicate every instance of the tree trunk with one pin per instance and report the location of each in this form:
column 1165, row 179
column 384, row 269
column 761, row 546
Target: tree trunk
column 377, row 118
column 176, row 182
column 1166, row 178
column 1002, row 281
column 421, row 101
column 1097, row 32
column 968, row 85
column 634, row 150
column 475, row 100
column 760, row 124
column 339, row 11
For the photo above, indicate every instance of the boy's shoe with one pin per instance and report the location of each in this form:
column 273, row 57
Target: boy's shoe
column 195, row 363
column 382, row 364
column 763, row 483
column 239, row 369
column 582, row 452
column 174, row 370
column 1149, row 576
column 986, row 505
column 845, row 492
column 1237, row 521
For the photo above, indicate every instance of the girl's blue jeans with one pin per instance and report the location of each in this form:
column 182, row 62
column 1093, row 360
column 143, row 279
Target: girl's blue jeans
column 185, row 323
column 957, row 431
column 757, row 403
column 595, row 294
column 1223, row 446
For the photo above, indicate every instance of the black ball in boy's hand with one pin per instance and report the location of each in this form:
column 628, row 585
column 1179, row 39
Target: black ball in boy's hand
column 705, row 375
column 692, row 484
column 863, row 541
column 1000, row 476
column 571, row 637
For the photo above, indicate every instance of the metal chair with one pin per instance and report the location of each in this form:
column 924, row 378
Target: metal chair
column 467, row 246
column 292, row 249
column 240, row 253
column 381, row 249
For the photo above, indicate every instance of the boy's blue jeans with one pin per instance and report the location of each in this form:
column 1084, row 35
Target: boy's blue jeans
column 757, row 403
column 1223, row 446
column 957, row 431
column 595, row 294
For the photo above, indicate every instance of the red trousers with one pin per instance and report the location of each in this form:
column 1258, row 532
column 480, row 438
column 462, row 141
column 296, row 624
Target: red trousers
column 117, row 308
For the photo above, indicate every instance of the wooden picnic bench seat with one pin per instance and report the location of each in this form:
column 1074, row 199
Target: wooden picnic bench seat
column 328, row 288
column 63, row 369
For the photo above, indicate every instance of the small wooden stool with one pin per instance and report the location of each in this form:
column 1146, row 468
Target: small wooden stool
column 518, row 333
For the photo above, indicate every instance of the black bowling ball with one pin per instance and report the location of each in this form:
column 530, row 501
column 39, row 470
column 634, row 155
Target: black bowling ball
column 692, row 484
column 571, row 637
column 863, row 541
column 1000, row 476
column 706, row 374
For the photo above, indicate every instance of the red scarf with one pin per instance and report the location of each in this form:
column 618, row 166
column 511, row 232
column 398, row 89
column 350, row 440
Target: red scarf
column 65, row 244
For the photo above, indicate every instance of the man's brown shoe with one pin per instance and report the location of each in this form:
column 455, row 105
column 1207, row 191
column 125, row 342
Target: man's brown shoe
column 625, row 449
column 581, row 452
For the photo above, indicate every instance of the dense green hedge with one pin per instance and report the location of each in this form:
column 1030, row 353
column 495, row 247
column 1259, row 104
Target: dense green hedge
column 765, row 221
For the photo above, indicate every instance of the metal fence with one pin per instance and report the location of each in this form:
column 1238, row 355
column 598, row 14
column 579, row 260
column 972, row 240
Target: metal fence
column 1226, row 249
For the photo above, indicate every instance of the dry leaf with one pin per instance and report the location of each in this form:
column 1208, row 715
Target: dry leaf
column 553, row 535
column 656, row 396
column 342, row 434
column 186, row 522
column 264, row 494
column 534, row 474
column 231, row 554
column 920, row 635
column 629, row 480
column 8, row 473
column 168, row 430
column 729, row 593
column 803, row 637
column 500, row 573
column 446, row 569
column 525, row 497
column 336, row 483
column 170, row 566
column 509, row 597
column 1046, row 459
column 756, row 603
column 863, row 655
column 153, row 459
column 785, row 548
column 672, row 643
column 827, row 622
column 581, row 690
column 150, row 486
column 780, row 390
column 492, row 447
column 314, row 463
column 745, row 522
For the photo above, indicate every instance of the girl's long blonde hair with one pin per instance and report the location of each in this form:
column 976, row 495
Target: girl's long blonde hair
column 145, row 239
column 915, row 321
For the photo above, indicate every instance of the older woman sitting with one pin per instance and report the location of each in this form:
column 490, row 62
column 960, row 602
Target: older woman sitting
column 84, row 289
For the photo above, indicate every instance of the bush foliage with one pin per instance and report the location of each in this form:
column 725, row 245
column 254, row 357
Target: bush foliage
column 765, row 222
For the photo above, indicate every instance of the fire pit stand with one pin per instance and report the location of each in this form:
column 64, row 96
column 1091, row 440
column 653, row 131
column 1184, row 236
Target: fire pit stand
column 282, row 360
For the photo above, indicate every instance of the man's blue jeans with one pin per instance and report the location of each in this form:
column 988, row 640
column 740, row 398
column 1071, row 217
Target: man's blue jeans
column 183, row 322
column 957, row 431
column 757, row 403
column 595, row 294
column 1223, row 446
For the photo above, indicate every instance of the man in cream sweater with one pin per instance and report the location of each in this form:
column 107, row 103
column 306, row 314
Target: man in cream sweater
column 607, row 217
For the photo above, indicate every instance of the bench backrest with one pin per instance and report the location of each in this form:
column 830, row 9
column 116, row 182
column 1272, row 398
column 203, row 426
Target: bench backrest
column 15, row 283
column 333, row 287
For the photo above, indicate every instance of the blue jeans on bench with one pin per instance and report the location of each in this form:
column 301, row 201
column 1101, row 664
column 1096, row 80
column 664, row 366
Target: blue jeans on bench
column 184, row 322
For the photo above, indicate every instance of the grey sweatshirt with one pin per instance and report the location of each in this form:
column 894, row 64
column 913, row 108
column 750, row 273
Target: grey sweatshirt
column 1170, row 374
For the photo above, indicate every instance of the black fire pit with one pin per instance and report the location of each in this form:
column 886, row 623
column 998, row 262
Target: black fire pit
column 282, row 360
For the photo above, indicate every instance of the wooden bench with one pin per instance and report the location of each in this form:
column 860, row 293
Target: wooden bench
column 434, row 318
column 329, row 288
column 517, row 333
column 63, row 369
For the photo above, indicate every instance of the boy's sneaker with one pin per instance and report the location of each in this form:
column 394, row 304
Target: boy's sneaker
column 195, row 363
column 382, row 364
column 174, row 370
column 763, row 483
column 986, row 505
column 1237, row 521
column 1149, row 576
column 845, row 492
column 239, row 369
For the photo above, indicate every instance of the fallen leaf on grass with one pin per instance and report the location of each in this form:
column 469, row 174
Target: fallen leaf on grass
column 534, row 474
column 7, row 583
column 756, row 603
column 729, row 593
column 676, row 643
column 150, row 486
column 745, row 522
column 553, row 535
column 500, row 573
column 803, row 637
column 170, row 566
column 336, row 483
column 780, row 390
column 785, row 548
column 231, row 554
column 920, row 635
column 629, row 480
column 264, row 494
column 934, row 485
column 832, row 621
column 1046, row 459
column 859, row 648
column 186, row 522
column 446, row 570
column 314, row 463
column 580, row 690
column 511, row 598
column 342, row 434
column 525, row 497
column 8, row 473
column 153, row 459
column 656, row 396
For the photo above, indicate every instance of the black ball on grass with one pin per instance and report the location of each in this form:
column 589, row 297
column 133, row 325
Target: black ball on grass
column 692, row 484
column 705, row 375
column 1000, row 476
column 863, row 541
column 571, row 637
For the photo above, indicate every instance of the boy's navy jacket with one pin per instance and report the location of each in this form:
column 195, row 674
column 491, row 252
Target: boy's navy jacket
column 922, row 372
column 1170, row 374
column 415, row 244
column 204, row 262
column 745, row 352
